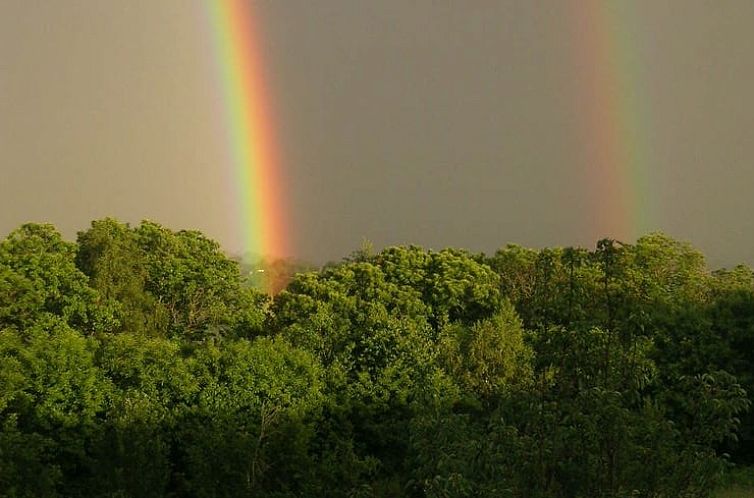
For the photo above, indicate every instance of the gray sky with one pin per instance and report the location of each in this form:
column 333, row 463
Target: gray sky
column 441, row 123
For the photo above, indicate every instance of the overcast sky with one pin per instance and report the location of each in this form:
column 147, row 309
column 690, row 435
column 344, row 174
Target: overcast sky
column 440, row 123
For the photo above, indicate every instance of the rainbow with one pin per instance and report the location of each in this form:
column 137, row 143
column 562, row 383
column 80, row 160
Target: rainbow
column 612, row 98
column 256, row 168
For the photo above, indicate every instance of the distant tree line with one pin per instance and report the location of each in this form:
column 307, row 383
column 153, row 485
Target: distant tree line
column 141, row 362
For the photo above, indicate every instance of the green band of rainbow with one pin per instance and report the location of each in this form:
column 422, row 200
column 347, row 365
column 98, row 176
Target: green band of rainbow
column 249, row 130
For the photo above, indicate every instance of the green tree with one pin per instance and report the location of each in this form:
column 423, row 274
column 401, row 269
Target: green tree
column 488, row 357
column 199, row 287
column 53, row 401
column 246, row 434
column 109, row 254
column 40, row 284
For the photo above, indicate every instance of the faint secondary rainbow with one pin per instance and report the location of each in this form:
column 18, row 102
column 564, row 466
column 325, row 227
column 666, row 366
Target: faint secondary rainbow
column 614, row 103
column 256, row 170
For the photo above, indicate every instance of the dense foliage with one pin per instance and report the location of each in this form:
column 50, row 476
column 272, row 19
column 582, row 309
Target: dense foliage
column 140, row 362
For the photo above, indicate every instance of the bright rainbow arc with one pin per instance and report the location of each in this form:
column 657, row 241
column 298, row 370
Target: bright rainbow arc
column 257, row 174
column 616, row 133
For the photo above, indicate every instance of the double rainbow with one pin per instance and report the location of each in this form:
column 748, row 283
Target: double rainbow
column 248, row 120
column 615, row 138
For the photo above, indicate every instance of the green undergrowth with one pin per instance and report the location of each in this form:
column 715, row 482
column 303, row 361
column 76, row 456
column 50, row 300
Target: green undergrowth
column 738, row 483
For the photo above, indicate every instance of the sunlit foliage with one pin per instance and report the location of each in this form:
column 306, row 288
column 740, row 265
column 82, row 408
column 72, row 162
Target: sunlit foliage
column 143, row 362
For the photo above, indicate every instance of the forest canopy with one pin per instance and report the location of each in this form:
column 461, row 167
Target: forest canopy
column 139, row 361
